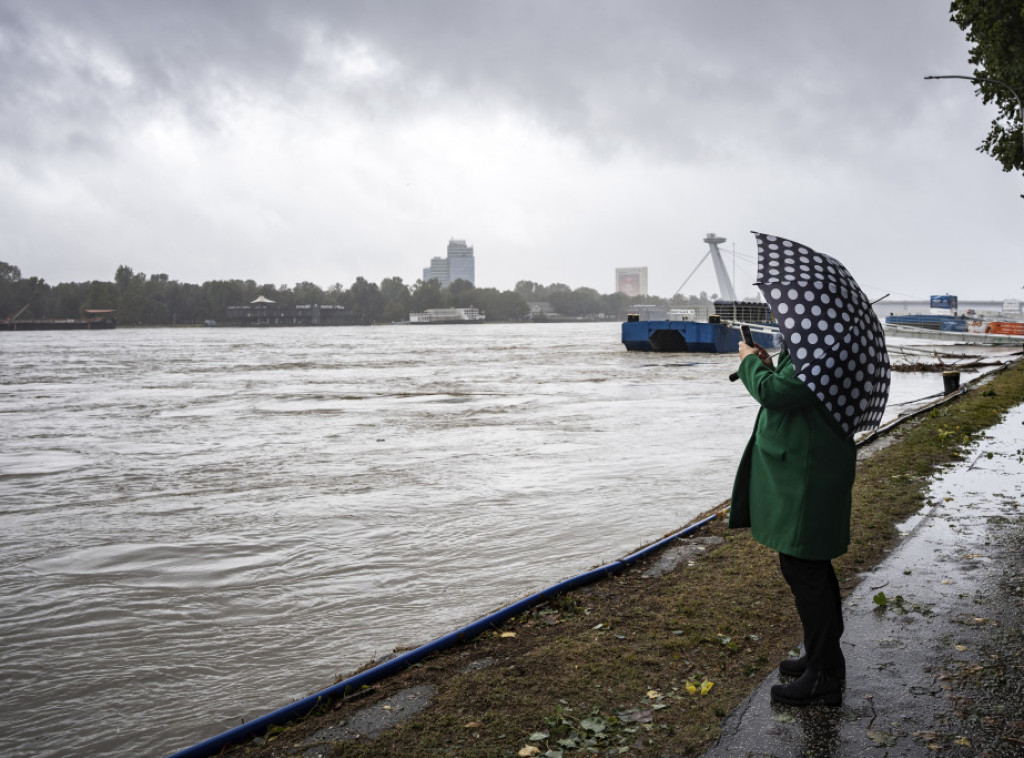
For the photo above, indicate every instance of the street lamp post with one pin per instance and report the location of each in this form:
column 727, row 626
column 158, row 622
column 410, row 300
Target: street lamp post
column 1020, row 105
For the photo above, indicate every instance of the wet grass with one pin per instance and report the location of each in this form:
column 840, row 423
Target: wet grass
column 651, row 666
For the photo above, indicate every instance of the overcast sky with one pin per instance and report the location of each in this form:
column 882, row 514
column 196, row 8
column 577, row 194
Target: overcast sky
column 324, row 140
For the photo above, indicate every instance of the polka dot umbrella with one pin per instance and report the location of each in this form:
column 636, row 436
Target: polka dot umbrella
column 832, row 332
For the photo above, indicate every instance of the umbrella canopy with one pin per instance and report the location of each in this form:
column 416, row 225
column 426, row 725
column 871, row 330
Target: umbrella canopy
column 832, row 332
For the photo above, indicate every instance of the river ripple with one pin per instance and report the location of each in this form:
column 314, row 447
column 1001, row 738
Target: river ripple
column 198, row 526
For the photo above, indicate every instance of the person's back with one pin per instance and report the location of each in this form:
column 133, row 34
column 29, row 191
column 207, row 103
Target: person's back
column 793, row 489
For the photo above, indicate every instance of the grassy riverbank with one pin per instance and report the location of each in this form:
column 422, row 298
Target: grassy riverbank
column 647, row 665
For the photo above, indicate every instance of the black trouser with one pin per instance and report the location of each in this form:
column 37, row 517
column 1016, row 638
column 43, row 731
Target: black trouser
column 816, row 591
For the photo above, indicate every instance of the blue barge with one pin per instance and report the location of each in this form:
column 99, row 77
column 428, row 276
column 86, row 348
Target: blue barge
column 648, row 328
column 932, row 322
column 680, row 336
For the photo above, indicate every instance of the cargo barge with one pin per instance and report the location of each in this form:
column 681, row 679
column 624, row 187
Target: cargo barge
column 94, row 319
column 944, row 323
column 651, row 329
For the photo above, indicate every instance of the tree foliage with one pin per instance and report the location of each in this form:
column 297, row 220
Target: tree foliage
column 158, row 300
column 995, row 28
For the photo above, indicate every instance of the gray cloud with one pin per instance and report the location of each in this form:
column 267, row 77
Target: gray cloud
column 783, row 75
column 189, row 130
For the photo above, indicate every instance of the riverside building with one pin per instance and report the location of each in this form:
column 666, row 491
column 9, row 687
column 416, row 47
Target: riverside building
column 264, row 312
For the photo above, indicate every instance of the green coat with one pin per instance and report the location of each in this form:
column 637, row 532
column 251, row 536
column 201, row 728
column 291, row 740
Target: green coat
column 793, row 486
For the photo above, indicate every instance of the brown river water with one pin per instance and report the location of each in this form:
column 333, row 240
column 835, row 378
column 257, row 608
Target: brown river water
column 199, row 526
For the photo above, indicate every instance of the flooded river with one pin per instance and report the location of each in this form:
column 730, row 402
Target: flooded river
column 198, row 526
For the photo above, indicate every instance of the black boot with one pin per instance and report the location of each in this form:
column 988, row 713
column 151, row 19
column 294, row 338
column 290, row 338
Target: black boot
column 812, row 688
column 793, row 666
column 797, row 666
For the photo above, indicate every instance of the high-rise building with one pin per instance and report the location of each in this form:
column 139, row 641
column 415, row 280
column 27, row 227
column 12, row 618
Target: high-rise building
column 438, row 270
column 461, row 263
column 458, row 264
column 631, row 281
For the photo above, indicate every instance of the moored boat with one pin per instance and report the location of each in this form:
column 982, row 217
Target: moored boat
column 652, row 329
column 944, row 324
column 93, row 319
column 1015, row 328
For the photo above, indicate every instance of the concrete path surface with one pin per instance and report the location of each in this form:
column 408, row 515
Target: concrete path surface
column 937, row 669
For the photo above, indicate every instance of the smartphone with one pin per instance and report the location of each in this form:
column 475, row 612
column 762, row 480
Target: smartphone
column 745, row 332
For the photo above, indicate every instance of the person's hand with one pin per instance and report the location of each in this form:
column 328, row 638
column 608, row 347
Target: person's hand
column 757, row 350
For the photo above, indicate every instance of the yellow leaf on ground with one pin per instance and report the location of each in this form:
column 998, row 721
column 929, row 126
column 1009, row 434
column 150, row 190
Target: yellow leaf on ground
column 529, row 751
column 653, row 694
column 705, row 687
column 508, row 634
column 474, row 724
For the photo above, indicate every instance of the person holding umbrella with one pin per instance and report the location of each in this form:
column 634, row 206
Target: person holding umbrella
column 795, row 478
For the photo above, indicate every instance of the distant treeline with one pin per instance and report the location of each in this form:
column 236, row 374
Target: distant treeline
column 158, row 300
